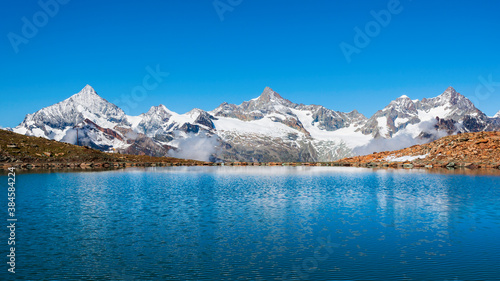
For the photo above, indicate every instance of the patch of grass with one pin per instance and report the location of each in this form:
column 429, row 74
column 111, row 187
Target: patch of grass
column 20, row 148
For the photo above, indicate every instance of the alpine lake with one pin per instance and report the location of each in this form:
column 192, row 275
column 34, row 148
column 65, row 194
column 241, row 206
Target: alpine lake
column 254, row 223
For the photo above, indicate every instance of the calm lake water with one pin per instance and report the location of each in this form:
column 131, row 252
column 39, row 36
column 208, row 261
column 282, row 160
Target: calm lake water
column 255, row 223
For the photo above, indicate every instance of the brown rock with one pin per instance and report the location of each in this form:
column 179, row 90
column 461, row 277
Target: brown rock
column 481, row 141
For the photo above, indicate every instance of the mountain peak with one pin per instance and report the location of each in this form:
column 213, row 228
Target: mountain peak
column 88, row 87
column 402, row 104
column 160, row 109
column 452, row 96
column 88, row 98
column 452, row 100
column 195, row 111
column 449, row 96
column 269, row 94
column 450, row 92
column 87, row 91
column 497, row 115
column 450, row 89
column 268, row 101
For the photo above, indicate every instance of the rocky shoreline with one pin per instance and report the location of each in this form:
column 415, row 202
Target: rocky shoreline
column 469, row 150
column 375, row 165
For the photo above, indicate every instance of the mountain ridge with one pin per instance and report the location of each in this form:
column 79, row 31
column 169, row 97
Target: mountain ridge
column 266, row 128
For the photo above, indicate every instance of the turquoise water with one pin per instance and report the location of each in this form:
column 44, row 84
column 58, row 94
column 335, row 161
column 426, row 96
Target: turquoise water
column 255, row 223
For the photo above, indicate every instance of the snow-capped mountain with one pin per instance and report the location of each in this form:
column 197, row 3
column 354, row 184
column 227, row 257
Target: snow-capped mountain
column 87, row 119
column 53, row 121
column 270, row 127
column 406, row 115
column 160, row 123
column 266, row 128
column 271, row 104
column 497, row 115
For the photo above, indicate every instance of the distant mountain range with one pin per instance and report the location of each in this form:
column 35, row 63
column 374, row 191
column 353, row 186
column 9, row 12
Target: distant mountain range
column 267, row 128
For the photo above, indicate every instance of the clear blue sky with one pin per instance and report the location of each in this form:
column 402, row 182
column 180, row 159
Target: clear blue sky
column 291, row 46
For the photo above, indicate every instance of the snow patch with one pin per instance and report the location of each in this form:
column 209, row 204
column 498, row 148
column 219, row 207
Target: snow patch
column 264, row 126
column 393, row 158
column 382, row 125
column 440, row 111
column 347, row 135
column 134, row 120
column 400, row 121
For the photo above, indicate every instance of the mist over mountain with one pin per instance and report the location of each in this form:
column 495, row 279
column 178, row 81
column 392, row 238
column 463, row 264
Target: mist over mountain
column 266, row 128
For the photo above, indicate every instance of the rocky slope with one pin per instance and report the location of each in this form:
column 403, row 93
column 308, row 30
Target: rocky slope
column 16, row 148
column 481, row 149
column 263, row 129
